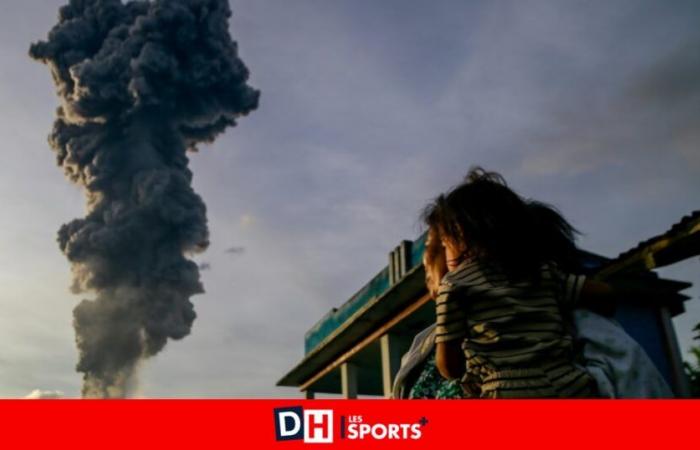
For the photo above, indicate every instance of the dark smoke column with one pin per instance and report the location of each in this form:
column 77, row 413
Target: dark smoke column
column 140, row 84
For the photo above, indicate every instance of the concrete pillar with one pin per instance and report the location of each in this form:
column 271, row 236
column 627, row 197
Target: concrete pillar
column 348, row 380
column 391, row 360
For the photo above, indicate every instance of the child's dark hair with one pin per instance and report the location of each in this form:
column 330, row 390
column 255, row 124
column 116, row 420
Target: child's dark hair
column 499, row 227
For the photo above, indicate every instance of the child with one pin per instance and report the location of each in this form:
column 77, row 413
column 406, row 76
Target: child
column 509, row 283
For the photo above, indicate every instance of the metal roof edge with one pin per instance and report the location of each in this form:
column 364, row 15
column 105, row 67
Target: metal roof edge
column 335, row 343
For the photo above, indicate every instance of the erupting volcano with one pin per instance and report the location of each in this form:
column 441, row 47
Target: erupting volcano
column 141, row 84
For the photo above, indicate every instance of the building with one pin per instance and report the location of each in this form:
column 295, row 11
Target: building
column 356, row 349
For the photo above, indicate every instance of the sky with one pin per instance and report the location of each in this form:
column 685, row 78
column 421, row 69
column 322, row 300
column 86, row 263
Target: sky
column 368, row 109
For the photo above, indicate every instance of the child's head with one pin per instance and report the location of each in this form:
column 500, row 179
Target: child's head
column 434, row 262
column 483, row 218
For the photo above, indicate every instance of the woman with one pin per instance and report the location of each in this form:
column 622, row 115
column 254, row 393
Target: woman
column 620, row 367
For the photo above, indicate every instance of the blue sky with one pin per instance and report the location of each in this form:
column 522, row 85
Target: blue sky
column 368, row 109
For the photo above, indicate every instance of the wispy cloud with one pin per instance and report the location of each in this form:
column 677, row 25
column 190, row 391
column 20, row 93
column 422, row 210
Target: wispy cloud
column 235, row 250
column 37, row 394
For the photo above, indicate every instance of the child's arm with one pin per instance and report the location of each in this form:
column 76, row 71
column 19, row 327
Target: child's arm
column 598, row 297
column 450, row 331
column 449, row 359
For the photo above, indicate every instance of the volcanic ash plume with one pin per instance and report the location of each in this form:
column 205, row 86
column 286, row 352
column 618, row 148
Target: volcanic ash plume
column 140, row 84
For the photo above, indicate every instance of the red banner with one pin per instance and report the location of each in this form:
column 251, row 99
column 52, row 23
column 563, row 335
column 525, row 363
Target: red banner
column 361, row 424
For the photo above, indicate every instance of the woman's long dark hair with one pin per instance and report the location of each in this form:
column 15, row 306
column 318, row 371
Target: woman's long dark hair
column 500, row 228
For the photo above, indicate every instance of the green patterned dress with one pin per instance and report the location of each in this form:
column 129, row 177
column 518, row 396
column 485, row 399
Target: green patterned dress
column 431, row 385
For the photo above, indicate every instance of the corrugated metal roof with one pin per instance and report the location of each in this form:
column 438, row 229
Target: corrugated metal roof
column 679, row 242
column 681, row 227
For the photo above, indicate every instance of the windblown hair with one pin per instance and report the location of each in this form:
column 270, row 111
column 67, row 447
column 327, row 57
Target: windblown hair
column 500, row 228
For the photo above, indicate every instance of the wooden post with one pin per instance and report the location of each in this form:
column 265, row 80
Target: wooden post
column 404, row 257
column 391, row 360
column 348, row 380
column 397, row 265
column 681, row 385
column 392, row 267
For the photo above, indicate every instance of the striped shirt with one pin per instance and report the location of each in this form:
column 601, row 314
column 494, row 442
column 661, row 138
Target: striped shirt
column 513, row 334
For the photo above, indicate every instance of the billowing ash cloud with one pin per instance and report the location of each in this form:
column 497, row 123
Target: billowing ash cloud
column 140, row 84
